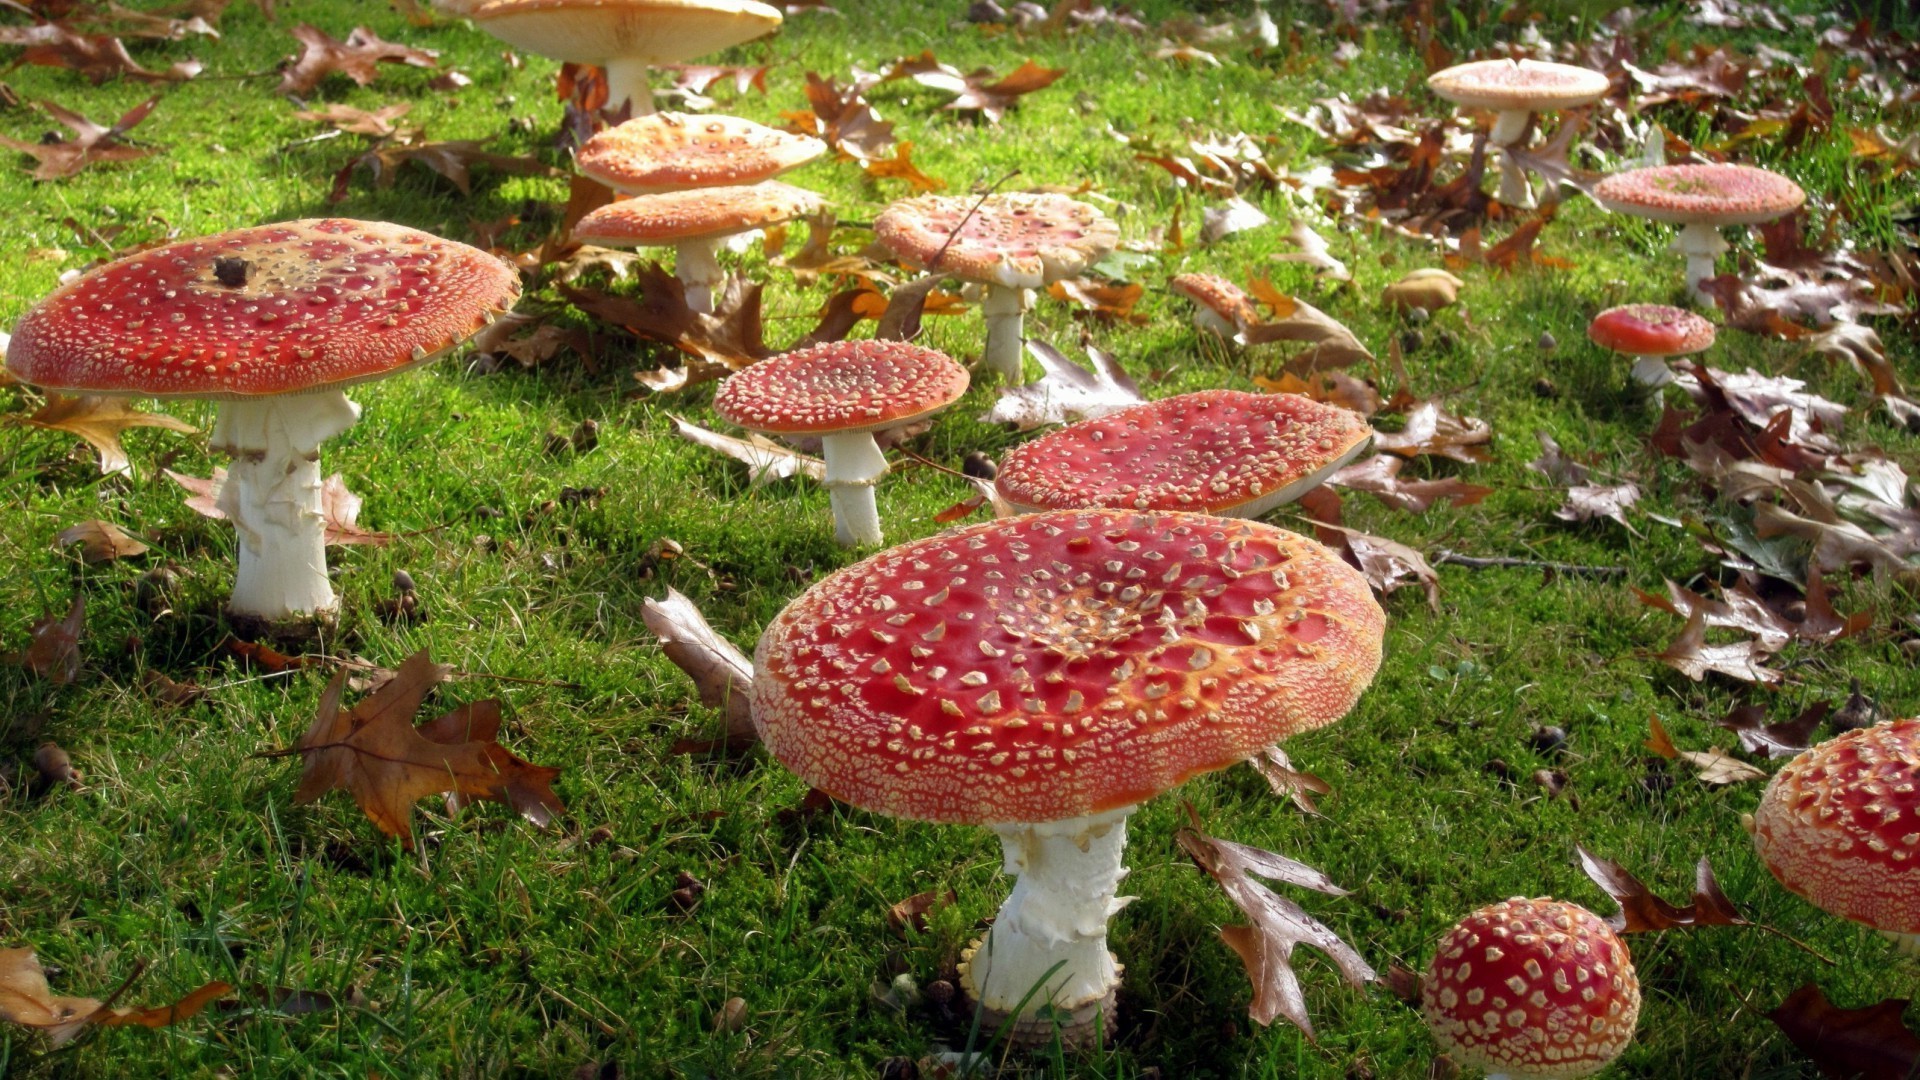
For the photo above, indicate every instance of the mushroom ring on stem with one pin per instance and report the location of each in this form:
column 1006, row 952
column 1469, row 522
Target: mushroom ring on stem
column 1651, row 334
column 1702, row 198
column 1011, row 243
column 272, row 323
column 1840, row 826
column 694, row 222
column 844, row 392
column 1516, row 90
column 1042, row 675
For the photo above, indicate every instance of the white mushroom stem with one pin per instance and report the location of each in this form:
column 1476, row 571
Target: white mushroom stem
column 629, row 80
column 1056, row 918
column 1205, row 318
column 1906, row 944
column 854, row 468
column 1701, row 244
column 1005, row 308
column 696, row 264
column 1514, row 189
column 1651, row 371
column 272, row 496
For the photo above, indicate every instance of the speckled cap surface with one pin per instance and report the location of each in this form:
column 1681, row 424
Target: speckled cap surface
column 1055, row 665
column 1218, row 295
column 1019, row 240
column 1650, row 330
column 1709, row 194
column 273, row 309
column 841, row 386
column 672, row 216
column 651, row 31
column 1509, row 85
column 672, row 151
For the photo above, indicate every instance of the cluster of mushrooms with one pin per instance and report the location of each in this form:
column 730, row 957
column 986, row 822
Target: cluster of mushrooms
column 1040, row 675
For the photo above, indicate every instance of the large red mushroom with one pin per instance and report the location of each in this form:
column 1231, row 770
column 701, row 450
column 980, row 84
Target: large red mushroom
column 1702, row 199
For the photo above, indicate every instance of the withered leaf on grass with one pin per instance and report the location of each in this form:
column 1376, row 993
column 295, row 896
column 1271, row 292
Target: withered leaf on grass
column 765, row 459
column 1847, row 1043
column 100, row 541
column 1332, row 345
column 990, row 96
column 453, row 159
column 1692, row 656
column 27, row 1000
column 1784, row 739
column 1715, row 766
column 339, row 507
column 1432, row 430
column 1379, row 476
column 1388, row 564
column 913, row 911
column 714, row 345
column 721, row 673
column 1273, row 764
column 1279, row 924
column 1233, row 216
column 53, row 651
column 358, row 58
column 379, row 122
column 90, row 143
column 1315, row 252
column 1588, row 501
column 100, row 421
column 1641, row 911
column 98, row 57
column 1066, row 392
column 374, row 752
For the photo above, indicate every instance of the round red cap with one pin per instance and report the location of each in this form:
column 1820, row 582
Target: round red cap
column 672, row 216
column 1708, row 194
column 1218, row 295
column 1056, row 665
column 841, row 386
column 671, row 151
column 1650, row 330
column 1534, row 85
column 1018, row 239
column 273, row 309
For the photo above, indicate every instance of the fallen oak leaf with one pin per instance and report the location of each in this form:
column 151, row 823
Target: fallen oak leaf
column 1784, row 739
column 453, row 159
column 721, row 673
column 27, row 1000
column 100, row 541
column 1388, row 564
column 913, row 911
column 1641, row 911
column 378, row 123
column 765, row 460
column 1066, row 392
column 1715, row 766
column 100, row 420
column 1332, row 344
column 91, row 142
column 522, row 785
column 1315, row 252
column 1844, row 1043
column 1277, row 769
column 1430, row 429
column 1588, row 501
column 53, row 649
column 1379, row 476
column 993, row 99
column 358, row 58
column 98, row 57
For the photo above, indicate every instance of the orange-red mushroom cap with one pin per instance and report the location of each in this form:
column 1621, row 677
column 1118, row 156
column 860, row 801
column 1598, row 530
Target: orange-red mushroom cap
column 672, row 152
column 1840, row 826
column 272, row 309
column 841, row 386
column 1719, row 194
column 1533, row 85
column 1056, row 665
column 1017, row 239
column 672, row 216
column 1650, row 330
column 1532, row 989
column 656, row 31
column 1218, row 295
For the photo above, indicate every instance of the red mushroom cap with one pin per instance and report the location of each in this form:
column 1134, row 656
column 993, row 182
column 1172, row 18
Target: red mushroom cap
column 1708, row 194
column 841, row 386
column 1650, row 330
column 1533, row 85
column 1218, row 295
column 671, row 152
column 654, row 31
column 1056, row 665
column 1840, row 826
column 672, row 216
column 273, row 309
column 1018, row 239
column 1532, row 989
column 1216, row 451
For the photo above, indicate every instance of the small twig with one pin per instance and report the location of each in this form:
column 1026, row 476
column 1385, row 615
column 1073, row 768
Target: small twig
column 954, row 234
column 917, row 459
column 309, row 140
column 1473, row 562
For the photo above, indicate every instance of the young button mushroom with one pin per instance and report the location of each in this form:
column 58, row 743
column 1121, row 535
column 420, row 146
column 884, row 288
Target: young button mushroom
column 694, row 222
column 673, row 152
column 844, row 392
column 1011, row 244
column 1532, row 990
column 1651, row 333
column 1702, row 198
column 272, row 323
column 1041, row 676
column 1219, row 305
column 1840, row 826
column 1223, row 452
column 1516, row 90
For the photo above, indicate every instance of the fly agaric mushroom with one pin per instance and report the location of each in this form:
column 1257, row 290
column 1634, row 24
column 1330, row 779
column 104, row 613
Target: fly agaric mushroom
column 1532, row 990
column 673, row 152
column 1223, row 452
column 844, row 392
column 695, row 222
column 1651, row 333
column 1218, row 305
column 1042, row 675
column 1702, row 198
column 1011, row 244
column 1516, row 90
column 272, row 323
column 624, row 36
column 1840, row 826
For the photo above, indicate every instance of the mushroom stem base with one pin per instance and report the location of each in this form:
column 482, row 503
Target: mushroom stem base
column 1077, row 1029
column 1906, row 944
column 1207, row 319
column 696, row 265
column 628, row 80
column 1702, row 245
column 1005, row 308
column 854, row 467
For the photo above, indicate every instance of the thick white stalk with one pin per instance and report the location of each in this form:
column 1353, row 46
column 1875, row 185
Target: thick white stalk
column 1205, row 318
column 629, row 80
column 1908, row 944
column 272, row 496
column 1005, row 308
column 854, row 467
column 1701, row 244
column 1050, row 936
column 696, row 265
column 1651, row 371
column 1507, row 130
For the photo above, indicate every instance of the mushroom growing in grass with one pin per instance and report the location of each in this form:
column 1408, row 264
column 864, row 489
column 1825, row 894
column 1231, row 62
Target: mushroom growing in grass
column 673, row 152
column 272, row 323
column 1702, row 199
column 1010, row 244
column 1223, row 452
column 1516, row 90
column 1651, row 334
column 1219, row 305
column 694, row 223
column 1840, row 826
column 1043, row 675
column 843, row 392
column 1532, row 990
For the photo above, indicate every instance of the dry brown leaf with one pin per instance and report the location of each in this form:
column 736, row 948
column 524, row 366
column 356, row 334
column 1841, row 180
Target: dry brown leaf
column 53, row 649
column 1233, row 216
column 1379, row 476
column 1428, row 289
column 100, row 421
column 1784, row 739
column 913, row 911
column 765, row 460
column 166, row 691
column 1432, row 430
column 98, row 57
column 1388, row 564
column 358, row 58
column 993, row 98
column 1315, row 252
column 721, row 673
column 90, row 143
column 1847, row 1043
column 1273, row 764
column 378, row 123
column 1110, row 301
column 1332, row 345
column 1641, row 911
column 1586, row 502
column 27, row 1000
column 1692, row 656
column 453, row 159
column 1066, row 392
column 1716, row 767
column 100, row 541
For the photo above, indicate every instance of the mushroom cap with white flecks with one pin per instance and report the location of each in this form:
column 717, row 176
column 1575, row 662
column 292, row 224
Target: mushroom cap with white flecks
column 1062, row 664
column 1650, row 330
column 650, row 31
column 1218, row 295
column 672, row 216
column 309, row 305
column 1719, row 194
column 1510, row 85
column 1210, row 452
column 840, row 386
column 1017, row 239
column 672, row 151
column 1532, row 989
column 1840, row 826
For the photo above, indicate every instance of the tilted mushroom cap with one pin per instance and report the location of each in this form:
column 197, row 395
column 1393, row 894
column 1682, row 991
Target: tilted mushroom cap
column 672, row 151
column 1533, row 990
column 1840, row 826
column 1216, row 451
column 672, row 216
column 1650, row 330
column 1708, row 194
column 841, row 386
column 652, row 31
column 1019, row 240
column 272, row 309
column 1533, row 85
column 1218, row 295
column 1051, row 666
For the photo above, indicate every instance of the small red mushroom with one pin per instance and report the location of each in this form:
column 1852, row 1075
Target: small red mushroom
column 1650, row 333
column 1702, row 198
column 694, row 222
column 674, row 152
column 1218, row 305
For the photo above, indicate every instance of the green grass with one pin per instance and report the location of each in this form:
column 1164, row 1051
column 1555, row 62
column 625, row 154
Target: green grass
column 500, row 950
